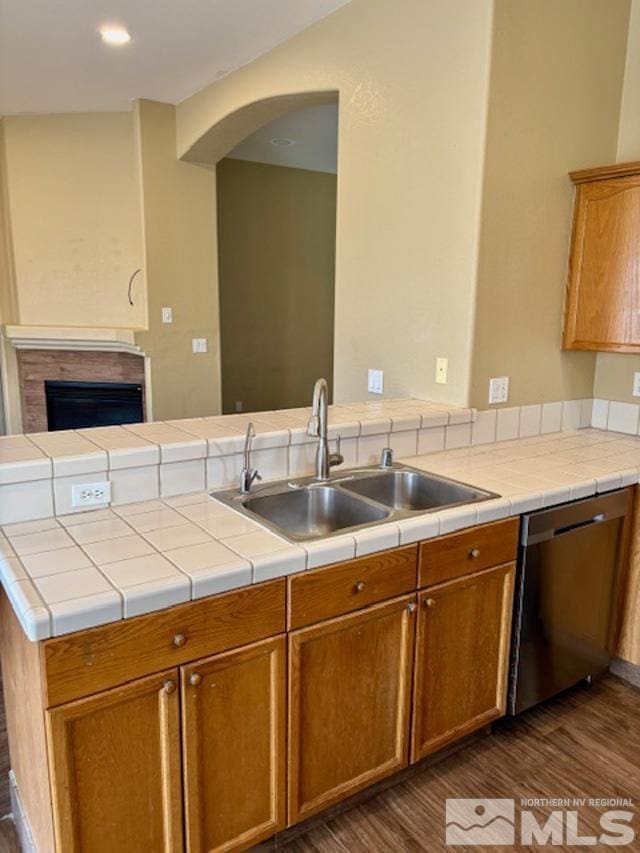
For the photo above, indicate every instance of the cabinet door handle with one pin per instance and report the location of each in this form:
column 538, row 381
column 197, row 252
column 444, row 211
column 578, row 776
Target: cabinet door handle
column 195, row 679
column 169, row 686
column 179, row 640
column 474, row 553
column 360, row 586
column 411, row 606
column 430, row 602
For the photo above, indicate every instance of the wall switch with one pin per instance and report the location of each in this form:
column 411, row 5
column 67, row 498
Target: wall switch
column 375, row 382
column 442, row 367
column 498, row 390
column 91, row 494
column 199, row 344
column 636, row 384
column 167, row 315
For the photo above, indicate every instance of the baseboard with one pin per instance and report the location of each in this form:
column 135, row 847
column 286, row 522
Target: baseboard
column 624, row 669
column 20, row 821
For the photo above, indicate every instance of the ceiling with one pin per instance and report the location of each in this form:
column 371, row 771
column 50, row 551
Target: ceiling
column 52, row 59
column 313, row 132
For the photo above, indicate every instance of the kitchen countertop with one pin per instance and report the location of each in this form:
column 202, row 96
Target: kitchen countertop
column 73, row 572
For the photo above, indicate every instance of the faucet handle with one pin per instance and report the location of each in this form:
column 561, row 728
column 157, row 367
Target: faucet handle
column 386, row 457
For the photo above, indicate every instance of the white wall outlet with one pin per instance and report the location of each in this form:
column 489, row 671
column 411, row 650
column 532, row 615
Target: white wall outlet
column 91, row 494
column 498, row 390
column 375, row 381
column 636, row 384
column 238, row 405
column 167, row 315
column 199, row 344
column 442, row 368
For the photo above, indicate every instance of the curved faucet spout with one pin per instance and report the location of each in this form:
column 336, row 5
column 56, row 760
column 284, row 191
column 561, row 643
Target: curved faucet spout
column 318, row 428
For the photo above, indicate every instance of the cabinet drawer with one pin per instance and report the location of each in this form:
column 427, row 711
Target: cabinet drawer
column 79, row 664
column 468, row 551
column 327, row 592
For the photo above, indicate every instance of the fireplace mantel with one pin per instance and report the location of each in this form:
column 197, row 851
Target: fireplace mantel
column 80, row 338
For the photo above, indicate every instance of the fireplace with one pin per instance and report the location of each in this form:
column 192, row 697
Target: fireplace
column 75, row 405
column 66, row 389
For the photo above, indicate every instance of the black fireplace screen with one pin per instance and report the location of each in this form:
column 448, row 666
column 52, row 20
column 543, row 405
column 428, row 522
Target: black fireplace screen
column 73, row 405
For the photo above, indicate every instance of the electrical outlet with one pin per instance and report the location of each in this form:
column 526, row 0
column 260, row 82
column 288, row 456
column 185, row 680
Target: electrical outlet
column 442, row 367
column 238, row 405
column 375, row 381
column 199, row 344
column 498, row 390
column 91, row 494
column 636, row 384
column 167, row 315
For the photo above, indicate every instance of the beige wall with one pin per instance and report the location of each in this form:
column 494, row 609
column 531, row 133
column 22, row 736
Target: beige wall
column 412, row 80
column 614, row 372
column 181, row 264
column 556, row 81
column 276, row 239
column 74, row 207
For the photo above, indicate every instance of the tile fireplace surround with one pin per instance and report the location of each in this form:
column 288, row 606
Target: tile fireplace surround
column 164, row 459
column 35, row 366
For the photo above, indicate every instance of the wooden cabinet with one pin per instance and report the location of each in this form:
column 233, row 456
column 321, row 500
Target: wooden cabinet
column 603, row 291
column 462, row 656
column 115, row 769
column 234, row 728
column 349, row 698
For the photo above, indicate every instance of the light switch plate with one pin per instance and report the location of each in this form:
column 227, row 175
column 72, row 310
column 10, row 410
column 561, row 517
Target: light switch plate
column 199, row 344
column 498, row 390
column 91, row 494
column 636, row 384
column 442, row 368
column 167, row 315
column 375, row 382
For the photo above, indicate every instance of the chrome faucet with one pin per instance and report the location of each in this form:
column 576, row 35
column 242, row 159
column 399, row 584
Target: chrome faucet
column 318, row 427
column 248, row 474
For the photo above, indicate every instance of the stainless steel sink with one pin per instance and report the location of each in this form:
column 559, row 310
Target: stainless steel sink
column 413, row 491
column 318, row 511
column 304, row 509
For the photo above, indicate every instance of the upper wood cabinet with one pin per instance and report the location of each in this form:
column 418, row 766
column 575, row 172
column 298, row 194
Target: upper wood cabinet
column 603, row 290
column 115, row 769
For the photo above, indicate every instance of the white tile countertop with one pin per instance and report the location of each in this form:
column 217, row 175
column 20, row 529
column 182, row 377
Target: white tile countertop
column 76, row 571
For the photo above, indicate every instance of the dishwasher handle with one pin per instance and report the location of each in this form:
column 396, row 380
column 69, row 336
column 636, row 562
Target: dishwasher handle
column 562, row 520
column 569, row 528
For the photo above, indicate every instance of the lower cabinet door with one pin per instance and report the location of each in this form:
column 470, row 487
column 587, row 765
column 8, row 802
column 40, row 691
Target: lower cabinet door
column 462, row 657
column 115, row 769
column 234, row 742
column 349, row 704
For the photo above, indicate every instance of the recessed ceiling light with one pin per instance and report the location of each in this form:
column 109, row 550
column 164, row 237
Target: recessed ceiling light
column 115, row 35
column 282, row 140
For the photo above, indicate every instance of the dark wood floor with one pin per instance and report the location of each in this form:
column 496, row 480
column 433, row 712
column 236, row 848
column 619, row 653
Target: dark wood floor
column 586, row 743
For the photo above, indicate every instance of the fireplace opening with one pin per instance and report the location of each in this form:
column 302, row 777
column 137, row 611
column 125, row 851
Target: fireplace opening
column 75, row 405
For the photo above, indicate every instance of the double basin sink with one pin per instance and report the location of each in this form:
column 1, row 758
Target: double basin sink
column 304, row 509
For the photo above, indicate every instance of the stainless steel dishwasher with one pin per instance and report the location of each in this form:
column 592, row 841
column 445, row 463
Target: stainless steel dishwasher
column 568, row 566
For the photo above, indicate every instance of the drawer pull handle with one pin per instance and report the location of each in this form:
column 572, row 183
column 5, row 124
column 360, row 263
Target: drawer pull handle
column 430, row 602
column 474, row 553
column 360, row 586
column 195, row 679
column 169, row 686
column 179, row 641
